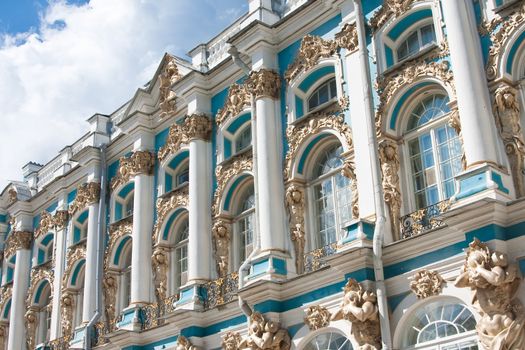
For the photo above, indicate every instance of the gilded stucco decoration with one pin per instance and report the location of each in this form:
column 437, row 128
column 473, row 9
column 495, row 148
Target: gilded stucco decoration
column 494, row 282
column 12, row 196
column 389, row 160
column 167, row 97
column 390, row 85
column 5, row 294
column 165, row 205
column 501, row 38
column 317, row 317
column 264, row 335
column 46, row 224
column 38, row 274
column 74, row 254
column 348, row 171
column 61, row 219
column 87, row 193
column 184, row 344
column 390, row 9
column 159, row 264
column 295, row 201
column 359, row 306
column 116, row 232
column 455, row 123
column 16, row 241
column 426, row 284
column 231, row 341
column 195, row 126
column 31, row 322
column 221, row 239
column 264, row 83
column 140, row 162
column 312, row 50
column 110, row 287
column 347, row 38
column 507, row 114
column 238, row 99
column 3, row 336
column 224, row 173
column 66, row 310
column 298, row 133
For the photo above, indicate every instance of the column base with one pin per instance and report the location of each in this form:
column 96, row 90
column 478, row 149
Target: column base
column 79, row 338
column 359, row 234
column 131, row 319
column 485, row 181
column 192, row 297
column 270, row 265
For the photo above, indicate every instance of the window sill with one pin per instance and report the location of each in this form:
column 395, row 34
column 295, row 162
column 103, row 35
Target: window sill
column 329, row 107
column 7, row 284
column 244, row 152
column 176, row 189
column 82, row 242
column 507, row 6
column 410, row 58
column 125, row 219
column 45, row 265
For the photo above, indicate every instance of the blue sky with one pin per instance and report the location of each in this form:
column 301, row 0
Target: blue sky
column 61, row 61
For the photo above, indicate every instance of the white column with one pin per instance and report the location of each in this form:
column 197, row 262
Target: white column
column 141, row 274
column 61, row 222
column 199, row 244
column 477, row 122
column 18, row 301
column 90, row 287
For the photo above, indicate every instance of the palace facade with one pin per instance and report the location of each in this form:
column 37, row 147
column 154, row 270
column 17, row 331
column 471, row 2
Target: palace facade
column 323, row 174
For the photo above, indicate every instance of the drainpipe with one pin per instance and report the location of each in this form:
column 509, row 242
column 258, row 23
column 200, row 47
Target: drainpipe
column 378, row 240
column 100, row 248
column 247, row 264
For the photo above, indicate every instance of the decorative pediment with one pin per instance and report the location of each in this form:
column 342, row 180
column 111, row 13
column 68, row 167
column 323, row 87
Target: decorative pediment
column 238, row 99
column 167, row 203
column 224, row 173
column 312, row 50
column 140, row 162
column 87, row 193
column 195, row 126
column 389, row 9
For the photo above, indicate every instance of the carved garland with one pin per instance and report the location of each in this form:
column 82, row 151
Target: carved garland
column 87, row 193
column 389, row 86
column 140, row 162
column 167, row 203
column 501, row 38
column 225, row 173
column 17, row 240
column 196, row 126
column 390, row 8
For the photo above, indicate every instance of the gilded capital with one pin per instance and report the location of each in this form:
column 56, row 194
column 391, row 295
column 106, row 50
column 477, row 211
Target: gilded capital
column 347, row 38
column 264, row 83
column 198, row 126
column 87, row 193
column 17, row 240
column 140, row 162
column 60, row 219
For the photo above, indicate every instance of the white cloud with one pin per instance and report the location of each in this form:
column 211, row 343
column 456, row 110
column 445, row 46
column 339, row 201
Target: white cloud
column 89, row 59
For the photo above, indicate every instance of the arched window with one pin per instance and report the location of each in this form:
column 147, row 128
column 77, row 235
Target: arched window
column 45, row 249
column 418, row 39
column 128, row 206
column 44, row 315
column 434, row 149
column 329, row 341
column 125, row 277
column 181, row 253
column 244, row 225
column 326, row 92
column 79, row 293
column 332, row 195
column 244, row 139
column 442, row 326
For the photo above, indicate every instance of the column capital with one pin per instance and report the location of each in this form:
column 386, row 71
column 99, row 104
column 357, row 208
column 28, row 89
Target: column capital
column 60, row 219
column 264, row 83
column 18, row 240
column 140, row 163
column 198, row 127
column 87, row 193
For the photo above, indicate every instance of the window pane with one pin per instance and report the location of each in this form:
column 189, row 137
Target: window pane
column 333, row 89
column 402, row 51
column 413, row 43
column 323, row 94
column 427, row 34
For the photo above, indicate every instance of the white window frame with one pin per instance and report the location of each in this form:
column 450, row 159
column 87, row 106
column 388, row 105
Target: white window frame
column 179, row 278
column 414, row 29
column 319, row 85
column 244, row 215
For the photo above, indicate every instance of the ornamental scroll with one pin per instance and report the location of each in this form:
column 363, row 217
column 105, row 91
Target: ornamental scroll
column 165, row 205
column 494, row 282
column 87, row 193
column 140, row 162
column 195, row 126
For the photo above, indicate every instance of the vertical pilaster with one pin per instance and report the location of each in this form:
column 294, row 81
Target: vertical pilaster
column 90, row 287
column 61, row 223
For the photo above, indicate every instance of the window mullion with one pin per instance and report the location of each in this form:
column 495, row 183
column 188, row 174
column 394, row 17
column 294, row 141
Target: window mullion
column 437, row 163
column 336, row 209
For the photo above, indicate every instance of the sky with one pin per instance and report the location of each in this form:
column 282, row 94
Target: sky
column 61, row 61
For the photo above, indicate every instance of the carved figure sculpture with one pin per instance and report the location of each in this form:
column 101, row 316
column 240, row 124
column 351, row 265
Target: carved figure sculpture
column 265, row 335
column 295, row 204
column 426, row 283
column 184, row 344
column 348, row 171
column 317, row 317
column 231, row 341
column 507, row 114
column 360, row 308
column 167, row 96
column 110, row 298
column 31, row 323
column 159, row 262
column 221, row 237
column 391, row 192
column 67, row 314
column 494, row 283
